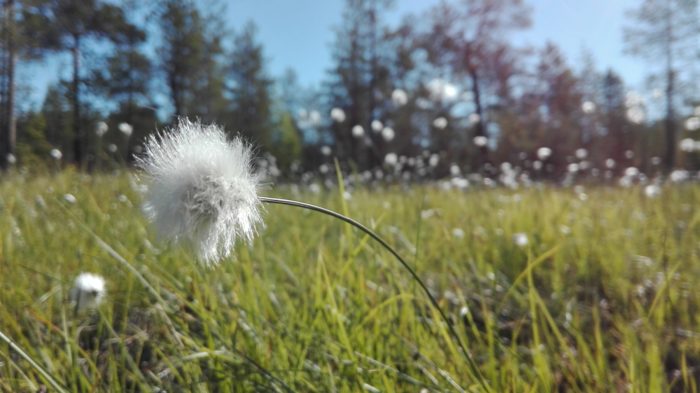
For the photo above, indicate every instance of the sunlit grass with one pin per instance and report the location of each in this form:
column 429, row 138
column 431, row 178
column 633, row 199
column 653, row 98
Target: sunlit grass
column 602, row 298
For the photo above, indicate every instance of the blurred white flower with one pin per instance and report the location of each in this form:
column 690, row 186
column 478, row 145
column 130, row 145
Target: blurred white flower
column 338, row 115
column 631, row 172
column 581, row 153
column 10, row 159
column 70, row 198
column 679, row 175
column 588, row 107
column 202, row 191
column 458, row 233
column 326, row 150
column 440, row 123
column 687, row 145
column 388, row 134
column 544, row 153
column 126, row 128
column 434, row 160
column 112, row 148
column 399, row 97
column 376, row 125
column 391, row 159
column 610, row 163
column 56, row 154
column 441, row 89
column 573, row 167
column 481, row 141
column 520, row 239
column 358, row 131
column 454, row 170
column 636, row 115
column 88, row 291
column 692, row 123
column 101, row 128
column 474, row 118
column 652, row 191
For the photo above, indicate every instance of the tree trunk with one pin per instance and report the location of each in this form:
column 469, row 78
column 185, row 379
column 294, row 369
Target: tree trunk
column 77, row 129
column 479, row 129
column 670, row 121
column 9, row 124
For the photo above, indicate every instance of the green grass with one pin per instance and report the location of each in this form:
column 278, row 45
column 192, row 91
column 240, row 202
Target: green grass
column 603, row 298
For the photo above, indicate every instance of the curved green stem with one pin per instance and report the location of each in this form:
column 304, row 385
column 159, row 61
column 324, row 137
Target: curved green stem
column 51, row 380
column 373, row 235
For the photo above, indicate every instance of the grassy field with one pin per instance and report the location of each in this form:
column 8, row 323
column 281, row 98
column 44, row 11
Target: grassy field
column 603, row 297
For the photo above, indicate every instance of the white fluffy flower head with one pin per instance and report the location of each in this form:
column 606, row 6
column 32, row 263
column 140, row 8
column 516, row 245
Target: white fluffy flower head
column 202, row 192
column 88, row 291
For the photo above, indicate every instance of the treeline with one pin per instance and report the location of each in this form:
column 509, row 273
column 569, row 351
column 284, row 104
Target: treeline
column 447, row 86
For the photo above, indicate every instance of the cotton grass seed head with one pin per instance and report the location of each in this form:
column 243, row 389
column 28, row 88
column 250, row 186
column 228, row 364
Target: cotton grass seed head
column 203, row 192
column 88, row 291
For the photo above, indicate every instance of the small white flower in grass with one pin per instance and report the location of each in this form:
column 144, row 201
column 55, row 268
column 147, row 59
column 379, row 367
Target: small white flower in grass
column 88, row 291
column 440, row 123
column 610, row 163
column 112, row 148
column 56, row 154
column 10, row 159
column 388, row 134
column 202, row 191
column 326, row 150
column 101, row 128
column 399, row 97
column 377, row 125
column 588, row 107
column 687, row 145
column 358, row 131
column 126, row 129
column 543, row 153
column 581, row 153
column 520, row 239
column 458, row 233
column 692, row 123
column 338, row 115
column 652, row 191
column 70, row 198
column 480, row 140
column 391, row 159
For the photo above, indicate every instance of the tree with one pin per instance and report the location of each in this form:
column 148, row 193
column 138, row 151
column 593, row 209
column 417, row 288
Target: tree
column 249, row 89
column 24, row 35
column 74, row 23
column 665, row 32
column 468, row 38
column 190, row 55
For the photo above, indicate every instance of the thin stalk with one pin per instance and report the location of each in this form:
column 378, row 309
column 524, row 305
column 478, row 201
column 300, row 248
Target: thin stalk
column 34, row 364
column 373, row 235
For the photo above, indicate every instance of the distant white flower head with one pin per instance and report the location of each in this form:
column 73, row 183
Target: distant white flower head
column 391, row 159
column 101, row 128
column 474, row 118
column 679, row 175
column 454, row 170
column 631, row 172
column 573, row 167
column 358, row 131
column 326, row 150
column 544, row 153
column 629, row 154
column 126, row 128
column 520, row 239
column 56, row 154
column 692, row 123
column 112, row 148
column 481, row 140
column 610, row 163
column 434, row 160
column 88, row 291
column 202, row 192
column 388, row 134
column 399, row 97
column 581, row 153
column 588, row 107
column 10, row 159
column 440, row 123
column 652, row 191
column 377, row 125
column 70, row 198
column 687, row 145
column 458, row 233
column 338, row 115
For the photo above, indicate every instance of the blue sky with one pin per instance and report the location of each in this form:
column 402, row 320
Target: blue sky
column 298, row 34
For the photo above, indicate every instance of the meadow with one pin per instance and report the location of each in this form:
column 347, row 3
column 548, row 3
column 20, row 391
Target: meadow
column 600, row 296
